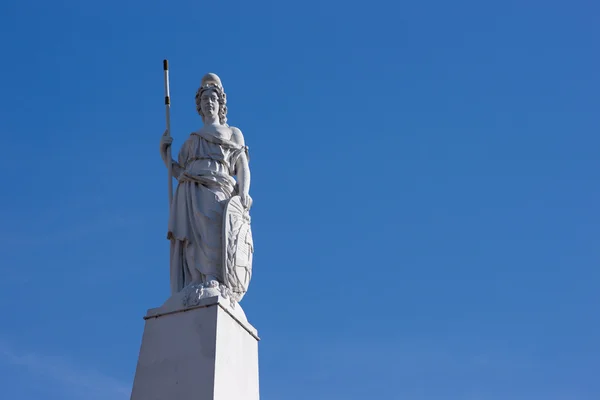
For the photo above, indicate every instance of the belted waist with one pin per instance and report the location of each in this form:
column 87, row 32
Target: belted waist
column 210, row 179
column 192, row 159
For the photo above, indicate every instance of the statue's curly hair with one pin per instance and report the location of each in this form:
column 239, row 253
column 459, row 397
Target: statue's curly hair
column 222, row 102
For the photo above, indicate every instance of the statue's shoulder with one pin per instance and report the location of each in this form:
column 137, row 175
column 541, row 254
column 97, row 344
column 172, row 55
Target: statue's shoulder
column 237, row 136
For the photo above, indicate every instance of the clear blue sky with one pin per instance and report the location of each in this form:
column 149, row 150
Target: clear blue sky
column 425, row 177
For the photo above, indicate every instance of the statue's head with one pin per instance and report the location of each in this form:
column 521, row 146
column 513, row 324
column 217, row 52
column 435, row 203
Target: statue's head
column 211, row 98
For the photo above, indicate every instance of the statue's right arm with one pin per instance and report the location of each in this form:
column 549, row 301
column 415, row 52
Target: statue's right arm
column 165, row 143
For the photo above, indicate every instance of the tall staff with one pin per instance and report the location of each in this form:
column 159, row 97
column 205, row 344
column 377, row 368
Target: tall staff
column 168, row 110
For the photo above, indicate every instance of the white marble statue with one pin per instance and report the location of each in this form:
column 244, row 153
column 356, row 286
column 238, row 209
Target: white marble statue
column 209, row 224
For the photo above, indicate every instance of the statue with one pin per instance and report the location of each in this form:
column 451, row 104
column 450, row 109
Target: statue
column 209, row 224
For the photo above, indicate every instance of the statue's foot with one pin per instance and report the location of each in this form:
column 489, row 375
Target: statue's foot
column 203, row 283
column 211, row 281
column 212, row 284
column 195, row 283
column 205, row 286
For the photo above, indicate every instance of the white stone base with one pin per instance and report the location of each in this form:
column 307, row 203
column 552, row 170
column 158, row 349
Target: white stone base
column 204, row 352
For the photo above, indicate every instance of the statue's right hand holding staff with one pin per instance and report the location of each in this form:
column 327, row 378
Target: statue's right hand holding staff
column 165, row 143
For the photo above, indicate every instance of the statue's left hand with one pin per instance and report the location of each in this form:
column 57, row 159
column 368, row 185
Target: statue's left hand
column 246, row 200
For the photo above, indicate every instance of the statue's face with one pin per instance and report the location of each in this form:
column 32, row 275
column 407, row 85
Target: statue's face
column 209, row 102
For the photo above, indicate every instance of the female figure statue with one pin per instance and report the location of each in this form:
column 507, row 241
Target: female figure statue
column 205, row 169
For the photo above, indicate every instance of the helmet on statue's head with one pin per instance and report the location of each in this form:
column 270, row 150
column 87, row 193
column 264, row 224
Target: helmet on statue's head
column 212, row 81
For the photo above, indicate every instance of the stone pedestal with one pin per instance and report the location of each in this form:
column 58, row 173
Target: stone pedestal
column 204, row 352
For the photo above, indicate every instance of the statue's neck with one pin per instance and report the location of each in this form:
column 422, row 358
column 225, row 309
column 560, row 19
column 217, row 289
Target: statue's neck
column 215, row 130
column 211, row 121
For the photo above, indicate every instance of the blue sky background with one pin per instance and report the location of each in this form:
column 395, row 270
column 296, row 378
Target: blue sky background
column 425, row 177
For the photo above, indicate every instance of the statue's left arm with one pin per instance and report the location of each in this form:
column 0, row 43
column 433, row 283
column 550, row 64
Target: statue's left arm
column 242, row 168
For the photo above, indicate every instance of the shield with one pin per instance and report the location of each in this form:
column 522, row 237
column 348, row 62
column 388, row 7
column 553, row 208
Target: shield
column 238, row 248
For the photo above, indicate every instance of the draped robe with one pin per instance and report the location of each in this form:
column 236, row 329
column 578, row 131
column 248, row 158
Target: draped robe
column 206, row 166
